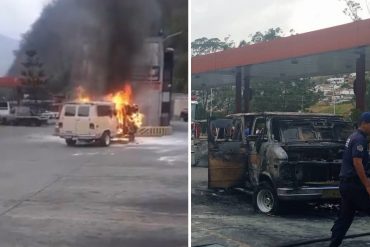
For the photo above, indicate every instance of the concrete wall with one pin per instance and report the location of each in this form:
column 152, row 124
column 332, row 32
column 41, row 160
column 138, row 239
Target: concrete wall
column 178, row 103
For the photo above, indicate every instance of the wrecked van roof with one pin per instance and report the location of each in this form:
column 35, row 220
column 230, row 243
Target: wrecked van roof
column 306, row 114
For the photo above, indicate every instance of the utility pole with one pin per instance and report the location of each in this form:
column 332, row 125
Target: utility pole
column 334, row 100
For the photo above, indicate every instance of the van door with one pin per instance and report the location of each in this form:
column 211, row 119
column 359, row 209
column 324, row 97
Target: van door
column 83, row 120
column 255, row 141
column 68, row 119
column 226, row 154
column 106, row 120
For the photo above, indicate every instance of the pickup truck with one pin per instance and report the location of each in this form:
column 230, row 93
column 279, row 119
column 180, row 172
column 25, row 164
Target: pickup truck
column 20, row 115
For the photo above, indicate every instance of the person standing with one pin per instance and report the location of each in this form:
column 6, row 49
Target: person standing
column 354, row 182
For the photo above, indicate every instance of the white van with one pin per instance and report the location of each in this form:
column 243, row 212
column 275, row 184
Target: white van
column 89, row 122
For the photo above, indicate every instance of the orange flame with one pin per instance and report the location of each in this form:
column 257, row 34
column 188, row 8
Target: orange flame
column 82, row 95
column 127, row 113
column 137, row 119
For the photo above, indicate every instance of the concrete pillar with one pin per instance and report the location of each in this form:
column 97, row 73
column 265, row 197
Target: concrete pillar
column 238, row 90
column 360, row 83
column 246, row 93
column 167, row 87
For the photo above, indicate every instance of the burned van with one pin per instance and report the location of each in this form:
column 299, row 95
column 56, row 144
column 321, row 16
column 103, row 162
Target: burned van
column 278, row 156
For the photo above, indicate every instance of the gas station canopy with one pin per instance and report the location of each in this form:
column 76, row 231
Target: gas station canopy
column 329, row 51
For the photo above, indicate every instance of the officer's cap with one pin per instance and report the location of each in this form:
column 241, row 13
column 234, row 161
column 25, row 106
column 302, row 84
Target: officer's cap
column 365, row 117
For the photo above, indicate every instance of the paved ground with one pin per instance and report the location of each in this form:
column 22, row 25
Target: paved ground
column 124, row 195
column 227, row 218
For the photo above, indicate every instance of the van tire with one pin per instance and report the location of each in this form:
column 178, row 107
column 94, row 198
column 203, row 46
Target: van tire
column 37, row 122
column 105, row 139
column 131, row 137
column 71, row 143
column 265, row 199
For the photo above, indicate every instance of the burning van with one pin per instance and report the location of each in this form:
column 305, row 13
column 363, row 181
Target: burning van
column 99, row 121
column 278, row 157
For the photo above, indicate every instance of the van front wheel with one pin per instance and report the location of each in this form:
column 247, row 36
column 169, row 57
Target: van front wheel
column 105, row 139
column 265, row 199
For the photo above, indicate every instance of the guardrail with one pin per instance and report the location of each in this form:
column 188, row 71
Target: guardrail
column 154, row 131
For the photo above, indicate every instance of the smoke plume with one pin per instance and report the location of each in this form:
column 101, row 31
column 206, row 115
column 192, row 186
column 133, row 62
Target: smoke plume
column 91, row 43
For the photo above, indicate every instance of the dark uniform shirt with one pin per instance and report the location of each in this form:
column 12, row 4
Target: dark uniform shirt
column 356, row 147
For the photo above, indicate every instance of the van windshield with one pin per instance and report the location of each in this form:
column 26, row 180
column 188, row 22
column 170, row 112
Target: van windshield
column 297, row 130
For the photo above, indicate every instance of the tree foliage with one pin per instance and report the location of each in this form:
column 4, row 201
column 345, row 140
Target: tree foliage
column 286, row 96
column 203, row 46
column 33, row 75
column 351, row 10
column 270, row 34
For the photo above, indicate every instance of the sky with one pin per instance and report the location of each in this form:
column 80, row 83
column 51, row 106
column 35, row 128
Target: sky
column 241, row 18
column 17, row 16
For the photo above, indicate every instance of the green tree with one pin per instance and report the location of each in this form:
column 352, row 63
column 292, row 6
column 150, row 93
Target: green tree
column 351, row 10
column 203, row 46
column 270, row 34
column 286, row 96
column 222, row 101
column 33, row 76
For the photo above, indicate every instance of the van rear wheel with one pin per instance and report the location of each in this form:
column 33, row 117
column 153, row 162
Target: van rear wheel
column 71, row 142
column 105, row 139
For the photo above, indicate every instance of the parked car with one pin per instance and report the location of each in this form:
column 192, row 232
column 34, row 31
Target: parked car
column 277, row 156
column 88, row 122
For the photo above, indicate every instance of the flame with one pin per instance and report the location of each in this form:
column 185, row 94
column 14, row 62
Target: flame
column 82, row 95
column 125, row 109
column 137, row 119
column 128, row 116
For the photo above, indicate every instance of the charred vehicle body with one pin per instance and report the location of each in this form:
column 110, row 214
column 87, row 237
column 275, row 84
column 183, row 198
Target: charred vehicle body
column 278, row 156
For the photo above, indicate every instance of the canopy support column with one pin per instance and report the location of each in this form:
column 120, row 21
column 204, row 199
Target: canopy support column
column 360, row 83
column 238, row 90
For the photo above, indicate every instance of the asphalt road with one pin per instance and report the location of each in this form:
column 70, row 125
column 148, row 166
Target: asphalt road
column 124, row 195
column 227, row 218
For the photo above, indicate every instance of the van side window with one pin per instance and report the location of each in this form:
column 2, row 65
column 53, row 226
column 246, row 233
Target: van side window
column 104, row 111
column 260, row 126
column 83, row 111
column 237, row 130
column 248, row 124
column 70, row 111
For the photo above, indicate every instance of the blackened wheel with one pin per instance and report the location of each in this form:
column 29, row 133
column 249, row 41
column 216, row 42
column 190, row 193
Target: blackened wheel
column 71, row 142
column 265, row 199
column 105, row 140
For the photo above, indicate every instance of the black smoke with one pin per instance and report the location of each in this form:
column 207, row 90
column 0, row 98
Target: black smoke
column 91, row 43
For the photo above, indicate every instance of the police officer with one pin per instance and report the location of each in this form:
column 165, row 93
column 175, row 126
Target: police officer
column 354, row 183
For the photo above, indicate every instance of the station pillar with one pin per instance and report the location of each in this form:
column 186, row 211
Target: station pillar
column 246, row 91
column 238, row 90
column 360, row 83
